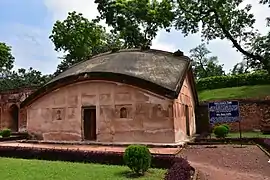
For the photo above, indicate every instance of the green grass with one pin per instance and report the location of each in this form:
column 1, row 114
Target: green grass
column 242, row 92
column 21, row 169
column 246, row 135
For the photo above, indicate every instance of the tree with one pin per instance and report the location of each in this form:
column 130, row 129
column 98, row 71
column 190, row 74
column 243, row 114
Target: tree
column 80, row 39
column 23, row 78
column 203, row 65
column 10, row 79
column 6, row 59
column 266, row 2
column 137, row 21
column 220, row 19
column 30, row 77
column 241, row 68
column 259, row 45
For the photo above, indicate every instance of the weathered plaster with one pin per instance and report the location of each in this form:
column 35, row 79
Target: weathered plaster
column 185, row 98
column 9, row 99
column 149, row 117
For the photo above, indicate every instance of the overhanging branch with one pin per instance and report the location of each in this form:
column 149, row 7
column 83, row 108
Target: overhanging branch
column 234, row 41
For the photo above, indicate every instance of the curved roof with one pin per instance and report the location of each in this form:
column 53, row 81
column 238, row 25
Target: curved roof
column 159, row 67
column 159, row 71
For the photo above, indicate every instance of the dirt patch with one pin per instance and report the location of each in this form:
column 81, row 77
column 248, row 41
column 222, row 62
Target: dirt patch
column 225, row 162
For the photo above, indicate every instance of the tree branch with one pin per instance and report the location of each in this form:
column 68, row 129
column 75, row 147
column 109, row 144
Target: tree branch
column 235, row 43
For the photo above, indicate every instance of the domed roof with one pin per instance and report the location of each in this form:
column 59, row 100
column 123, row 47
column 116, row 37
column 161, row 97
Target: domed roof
column 159, row 67
column 158, row 71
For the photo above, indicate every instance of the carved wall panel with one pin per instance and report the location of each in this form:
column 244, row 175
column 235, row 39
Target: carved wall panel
column 72, row 112
column 46, row 114
column 89, row 100
column 105, row 99
column 58, row 114
column 124, row 111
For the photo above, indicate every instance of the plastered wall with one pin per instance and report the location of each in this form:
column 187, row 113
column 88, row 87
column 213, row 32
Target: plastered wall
column 149, row 117
column 185, row 98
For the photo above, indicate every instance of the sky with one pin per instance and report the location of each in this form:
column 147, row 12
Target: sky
column 26, row 25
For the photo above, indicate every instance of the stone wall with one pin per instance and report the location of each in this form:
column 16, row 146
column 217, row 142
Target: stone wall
column 11, row 116
column 149, row 117
column 255, row 114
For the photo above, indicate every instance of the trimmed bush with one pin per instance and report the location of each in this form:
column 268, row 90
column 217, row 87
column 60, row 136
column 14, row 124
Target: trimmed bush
column 218, row 82
column 220, row 131
column 180, row 170
column 137, row 158
column 6, row 133
column 112, row 158
column 227, row 127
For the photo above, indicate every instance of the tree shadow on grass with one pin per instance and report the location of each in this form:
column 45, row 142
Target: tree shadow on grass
column 131, row 175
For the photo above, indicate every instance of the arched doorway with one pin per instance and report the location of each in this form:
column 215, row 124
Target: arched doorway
column 14, row 118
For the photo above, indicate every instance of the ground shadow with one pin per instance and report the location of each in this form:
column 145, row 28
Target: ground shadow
column 131, row 175
column 128, row 174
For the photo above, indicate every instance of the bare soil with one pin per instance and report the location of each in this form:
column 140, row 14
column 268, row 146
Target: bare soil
column 228, row 162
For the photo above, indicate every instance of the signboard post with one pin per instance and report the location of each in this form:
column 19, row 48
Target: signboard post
column 225, row 112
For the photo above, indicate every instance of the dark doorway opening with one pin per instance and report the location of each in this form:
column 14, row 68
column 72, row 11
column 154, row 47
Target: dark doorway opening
column 14, row 114
column 89, row 123
column 187, row 120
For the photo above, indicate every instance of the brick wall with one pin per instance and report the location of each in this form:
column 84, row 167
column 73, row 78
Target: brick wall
column 10, row 100
column 255, row 114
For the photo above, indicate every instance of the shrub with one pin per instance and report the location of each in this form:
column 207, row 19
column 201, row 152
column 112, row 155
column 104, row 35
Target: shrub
column 137, row 158
column 267, row 141
column 218, row 82
column 227, row 127
column 220, row 131
column 264, row 142
column 180, row 170
column 6, row 133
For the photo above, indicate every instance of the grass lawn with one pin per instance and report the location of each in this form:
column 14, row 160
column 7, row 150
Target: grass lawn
column 21, row 169
column 246, row 135
column 235, row 93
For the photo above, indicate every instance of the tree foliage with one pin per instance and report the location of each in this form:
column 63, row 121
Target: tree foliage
column 137, row 21
column 260, row 45
column 6, row 59
column 80, row 38
column 23, row 78
column 31, row 77
column 203, row 65
column 266, row 2
column 10, row 79
column 220, row 19
column 241, row 68
column 219, row 82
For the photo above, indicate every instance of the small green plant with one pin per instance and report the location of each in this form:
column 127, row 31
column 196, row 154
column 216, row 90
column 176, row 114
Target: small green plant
column 220, row 131
column 137, row 158
column 227, row 127
column 6, row 133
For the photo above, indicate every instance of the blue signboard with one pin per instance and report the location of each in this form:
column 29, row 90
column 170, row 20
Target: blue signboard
column 222, row 112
